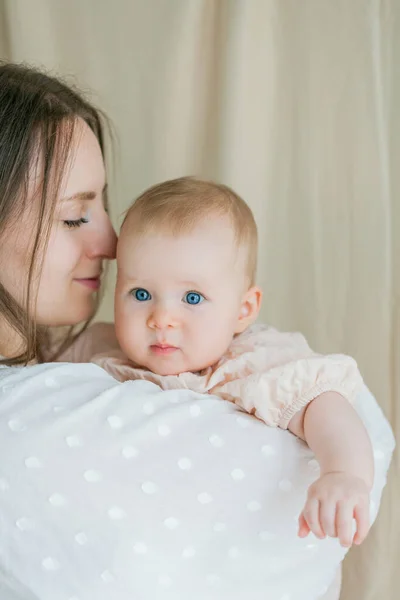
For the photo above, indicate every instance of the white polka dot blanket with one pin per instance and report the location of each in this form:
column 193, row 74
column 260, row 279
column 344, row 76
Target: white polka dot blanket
column 113, row 491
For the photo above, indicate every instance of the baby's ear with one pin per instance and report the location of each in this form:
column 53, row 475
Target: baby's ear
column 249, row 309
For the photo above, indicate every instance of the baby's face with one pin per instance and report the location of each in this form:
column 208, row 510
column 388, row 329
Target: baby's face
column 178, row 300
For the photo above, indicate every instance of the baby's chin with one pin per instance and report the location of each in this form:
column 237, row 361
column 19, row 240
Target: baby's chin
column 165, row 367
column 165, row 370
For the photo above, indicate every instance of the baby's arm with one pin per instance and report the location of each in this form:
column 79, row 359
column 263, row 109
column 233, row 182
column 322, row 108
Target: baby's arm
column 277, row 377
column 333, row 430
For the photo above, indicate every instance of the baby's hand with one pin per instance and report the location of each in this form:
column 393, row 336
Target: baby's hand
column 334, row 500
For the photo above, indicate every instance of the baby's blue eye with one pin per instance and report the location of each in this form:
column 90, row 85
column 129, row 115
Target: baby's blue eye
column 193, row 298
column 141, row 294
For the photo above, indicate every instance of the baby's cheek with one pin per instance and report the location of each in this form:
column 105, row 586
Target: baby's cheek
column 128, row 334
column 216, row 343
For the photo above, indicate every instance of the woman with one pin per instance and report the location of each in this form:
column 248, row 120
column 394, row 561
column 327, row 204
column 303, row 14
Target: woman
column 108, row 490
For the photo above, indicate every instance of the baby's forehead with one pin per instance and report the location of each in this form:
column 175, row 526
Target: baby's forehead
column 205, row 251
column 217, row 234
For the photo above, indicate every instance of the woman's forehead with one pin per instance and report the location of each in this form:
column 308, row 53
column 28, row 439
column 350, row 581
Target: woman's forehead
column 77, row 167
column 85, row 169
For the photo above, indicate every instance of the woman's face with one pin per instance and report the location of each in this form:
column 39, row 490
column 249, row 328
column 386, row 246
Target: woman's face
column 81, row 238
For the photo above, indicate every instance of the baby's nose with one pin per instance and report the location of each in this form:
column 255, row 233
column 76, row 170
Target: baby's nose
column 162, row 318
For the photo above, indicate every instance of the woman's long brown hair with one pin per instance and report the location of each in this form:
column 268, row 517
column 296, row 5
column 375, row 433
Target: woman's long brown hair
column 38, row 116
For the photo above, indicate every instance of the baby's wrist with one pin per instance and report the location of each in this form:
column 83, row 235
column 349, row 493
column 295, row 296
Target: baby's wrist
column 364, row 477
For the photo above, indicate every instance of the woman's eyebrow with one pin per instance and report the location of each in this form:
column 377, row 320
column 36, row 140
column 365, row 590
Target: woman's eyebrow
column 85, row 195
column 81, row 196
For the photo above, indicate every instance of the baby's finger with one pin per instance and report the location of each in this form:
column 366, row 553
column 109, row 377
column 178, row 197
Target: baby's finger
column 361, row 515
column 327, row 517
column 311, row 515
column 344, row 523
column 304, row 529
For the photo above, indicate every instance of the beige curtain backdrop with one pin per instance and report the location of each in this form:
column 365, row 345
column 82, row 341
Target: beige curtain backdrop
column 296, row 104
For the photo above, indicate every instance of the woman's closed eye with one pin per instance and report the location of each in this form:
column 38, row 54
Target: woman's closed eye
column 72, row 223
column 83, row 217
column 193, row 298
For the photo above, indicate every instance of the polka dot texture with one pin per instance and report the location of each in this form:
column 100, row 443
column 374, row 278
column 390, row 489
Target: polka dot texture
column 128, row 492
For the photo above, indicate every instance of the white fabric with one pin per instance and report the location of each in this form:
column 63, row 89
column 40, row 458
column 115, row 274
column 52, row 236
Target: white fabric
column 115, row 491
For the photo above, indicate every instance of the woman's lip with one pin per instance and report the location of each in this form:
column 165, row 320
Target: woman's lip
column 92, row 283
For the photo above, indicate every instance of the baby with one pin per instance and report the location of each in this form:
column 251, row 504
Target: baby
column 185, row 307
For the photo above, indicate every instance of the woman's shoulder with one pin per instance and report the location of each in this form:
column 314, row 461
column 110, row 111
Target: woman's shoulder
column 42, row 392
column 50, row 375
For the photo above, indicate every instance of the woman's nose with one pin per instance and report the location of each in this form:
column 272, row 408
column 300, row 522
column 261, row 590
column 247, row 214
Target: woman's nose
column 103, row 244
column 110, row 243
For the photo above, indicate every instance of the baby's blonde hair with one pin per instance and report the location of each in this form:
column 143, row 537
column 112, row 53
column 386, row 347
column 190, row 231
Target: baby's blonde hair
column 178, row 205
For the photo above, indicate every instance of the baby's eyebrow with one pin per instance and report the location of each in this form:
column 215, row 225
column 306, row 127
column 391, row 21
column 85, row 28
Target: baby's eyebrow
column 191, row 284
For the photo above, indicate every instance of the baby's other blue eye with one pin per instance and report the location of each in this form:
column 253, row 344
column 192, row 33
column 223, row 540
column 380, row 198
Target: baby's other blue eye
column 141, row 295
column 193, row 298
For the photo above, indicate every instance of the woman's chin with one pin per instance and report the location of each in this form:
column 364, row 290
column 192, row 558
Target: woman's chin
column 84, row 313
column 69, row 316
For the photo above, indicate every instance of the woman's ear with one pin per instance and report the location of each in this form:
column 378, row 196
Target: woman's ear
column 249, row 309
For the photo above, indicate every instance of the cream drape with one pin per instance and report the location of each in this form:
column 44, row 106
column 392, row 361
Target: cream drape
column 295, row 103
